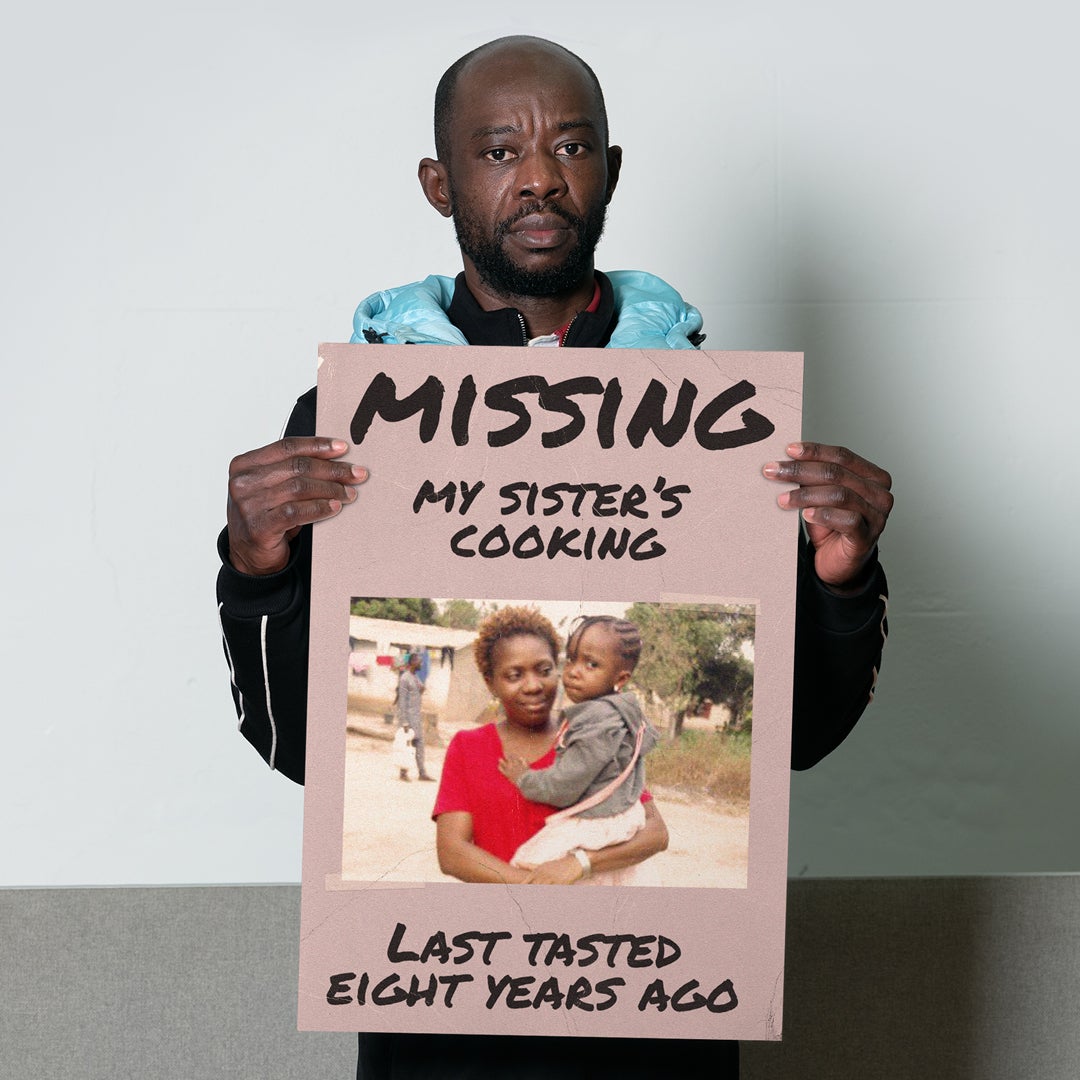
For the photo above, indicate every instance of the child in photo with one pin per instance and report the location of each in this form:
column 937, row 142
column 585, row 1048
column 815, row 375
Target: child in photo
column 598, row 775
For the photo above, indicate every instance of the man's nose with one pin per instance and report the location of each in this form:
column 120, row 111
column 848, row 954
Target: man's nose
column 540, row 177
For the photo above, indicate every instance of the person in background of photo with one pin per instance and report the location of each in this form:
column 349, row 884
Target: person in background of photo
column 598, row 775
column 409, row 693
column 481, row 817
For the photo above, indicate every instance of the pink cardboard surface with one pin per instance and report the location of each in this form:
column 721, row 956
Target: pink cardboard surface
column 617, row 481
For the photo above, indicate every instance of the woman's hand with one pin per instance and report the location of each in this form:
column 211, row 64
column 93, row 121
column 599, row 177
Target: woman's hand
column 564, row 871
column 651, row 838
column 646, row 842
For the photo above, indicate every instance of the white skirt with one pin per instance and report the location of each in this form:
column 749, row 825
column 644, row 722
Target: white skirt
column 558, row 838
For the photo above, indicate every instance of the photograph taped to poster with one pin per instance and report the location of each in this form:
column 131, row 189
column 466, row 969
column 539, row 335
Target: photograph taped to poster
column 693, row 683
column 455, row 742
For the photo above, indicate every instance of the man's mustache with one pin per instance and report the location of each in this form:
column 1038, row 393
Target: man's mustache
column 541, row 208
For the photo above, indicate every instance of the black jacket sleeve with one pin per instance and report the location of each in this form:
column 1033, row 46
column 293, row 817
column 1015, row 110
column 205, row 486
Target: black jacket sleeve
column 838, row 646
column 264, row 622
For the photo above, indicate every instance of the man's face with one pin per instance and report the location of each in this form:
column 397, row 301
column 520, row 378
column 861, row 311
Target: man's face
column 529, row 174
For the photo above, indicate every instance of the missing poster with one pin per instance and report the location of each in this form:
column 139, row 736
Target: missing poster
column 550, row 695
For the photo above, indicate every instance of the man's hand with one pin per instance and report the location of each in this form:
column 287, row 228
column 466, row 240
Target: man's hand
column 845, row 501
column 276, row 489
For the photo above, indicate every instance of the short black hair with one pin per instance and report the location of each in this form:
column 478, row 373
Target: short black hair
column 445, row 91
column 511, row 622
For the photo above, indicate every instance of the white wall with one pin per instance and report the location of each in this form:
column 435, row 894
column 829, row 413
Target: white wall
column 194, row 198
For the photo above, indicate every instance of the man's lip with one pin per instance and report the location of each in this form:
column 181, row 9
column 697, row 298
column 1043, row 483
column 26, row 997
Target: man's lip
column 541, row 230
column 539, row 223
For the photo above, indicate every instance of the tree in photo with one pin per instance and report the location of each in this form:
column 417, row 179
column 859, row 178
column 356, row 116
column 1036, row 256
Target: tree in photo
column 458, row 614
column 399, row 609
column 693, row 653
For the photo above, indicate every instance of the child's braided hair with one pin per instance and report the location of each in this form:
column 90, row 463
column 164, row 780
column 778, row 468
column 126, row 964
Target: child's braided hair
column 626, row 634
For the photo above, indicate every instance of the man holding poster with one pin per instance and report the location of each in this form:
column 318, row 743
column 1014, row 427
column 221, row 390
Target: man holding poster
column 525, row 170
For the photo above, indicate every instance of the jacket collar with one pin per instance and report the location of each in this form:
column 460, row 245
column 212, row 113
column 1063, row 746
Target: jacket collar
column 506, row 326
column 637, row 311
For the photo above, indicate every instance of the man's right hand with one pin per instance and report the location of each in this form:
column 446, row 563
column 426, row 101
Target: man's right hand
column 275, row 490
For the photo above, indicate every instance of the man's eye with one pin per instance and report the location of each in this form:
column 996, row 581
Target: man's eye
column 497, row 153
column 572, row 149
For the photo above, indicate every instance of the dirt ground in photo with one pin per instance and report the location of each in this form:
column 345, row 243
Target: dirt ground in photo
column 389, row 834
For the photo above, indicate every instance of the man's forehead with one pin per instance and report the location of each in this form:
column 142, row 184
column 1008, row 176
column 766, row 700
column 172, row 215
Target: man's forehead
column 512, row 74
column 484, row 130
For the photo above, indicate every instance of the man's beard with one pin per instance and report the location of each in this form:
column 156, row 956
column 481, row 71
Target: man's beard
column 505, row 277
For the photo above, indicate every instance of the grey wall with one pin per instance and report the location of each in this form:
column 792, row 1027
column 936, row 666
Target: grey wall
column 887, row 978
column 195, row 196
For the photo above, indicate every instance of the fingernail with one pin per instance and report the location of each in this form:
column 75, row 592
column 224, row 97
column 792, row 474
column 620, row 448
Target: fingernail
column 795, row 449
column 359, row 472
column 338, row 445
column 783, row 500
column 772, row 468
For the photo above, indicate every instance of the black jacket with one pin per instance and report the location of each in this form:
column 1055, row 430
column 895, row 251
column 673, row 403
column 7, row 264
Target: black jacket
column 264, row 620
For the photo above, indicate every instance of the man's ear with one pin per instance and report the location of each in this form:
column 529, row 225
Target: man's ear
column 435, row 182
column 614, row 167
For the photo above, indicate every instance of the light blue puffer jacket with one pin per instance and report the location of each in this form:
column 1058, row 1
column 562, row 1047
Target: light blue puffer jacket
column 652, row 315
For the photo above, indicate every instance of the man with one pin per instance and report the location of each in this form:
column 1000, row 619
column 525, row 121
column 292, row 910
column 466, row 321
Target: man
column 526, row 171
column 409, row 692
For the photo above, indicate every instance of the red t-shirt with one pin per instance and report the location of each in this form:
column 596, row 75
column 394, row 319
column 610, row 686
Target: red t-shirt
column 502, row 818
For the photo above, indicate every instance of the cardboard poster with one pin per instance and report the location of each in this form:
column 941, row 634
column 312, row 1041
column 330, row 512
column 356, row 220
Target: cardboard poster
column 576, row 482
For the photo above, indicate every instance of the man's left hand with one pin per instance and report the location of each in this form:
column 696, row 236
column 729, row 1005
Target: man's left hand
column 845, row 501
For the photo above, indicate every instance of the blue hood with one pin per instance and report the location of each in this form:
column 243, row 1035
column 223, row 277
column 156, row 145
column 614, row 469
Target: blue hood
column 651, row 314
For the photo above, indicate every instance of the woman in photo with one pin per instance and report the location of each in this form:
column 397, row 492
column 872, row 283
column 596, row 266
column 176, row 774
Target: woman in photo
column 481, row 817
